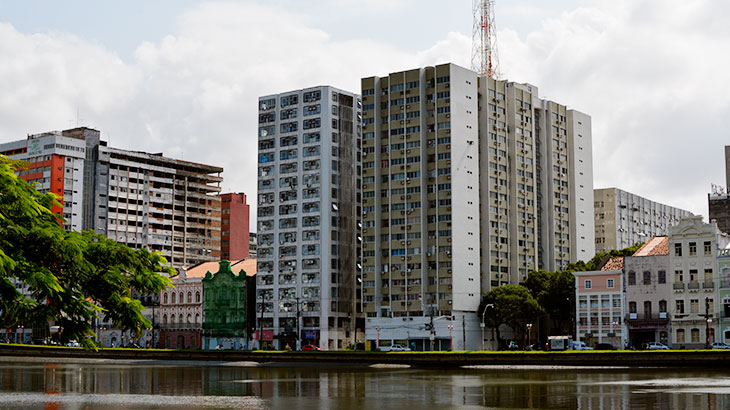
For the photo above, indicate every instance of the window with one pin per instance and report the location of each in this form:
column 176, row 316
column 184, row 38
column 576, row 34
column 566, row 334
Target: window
column 693, row 249
column 680, row 307
column 680, row 335
column 609, row 283
column 197, row 297
column 632, row 278
column 663, row 306
column 678, row 276
column 695, row 335
column 588, row 284
column 694, row 306
column 647, row 278
column 708, row 248
column 632, row 307
column 661, row 277
column 677, row 249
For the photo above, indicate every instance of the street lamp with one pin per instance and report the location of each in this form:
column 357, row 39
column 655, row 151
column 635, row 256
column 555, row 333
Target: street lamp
column 451, row 343
column 709, row 333
column 482, row 325
column 529, row 335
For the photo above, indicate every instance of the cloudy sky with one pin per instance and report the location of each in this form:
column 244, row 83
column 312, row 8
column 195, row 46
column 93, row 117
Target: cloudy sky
column 182, row 77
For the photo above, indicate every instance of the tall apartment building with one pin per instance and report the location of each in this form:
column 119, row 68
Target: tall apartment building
column 718, row 201
column 468, row 183
column 624, row 219
column 61, row 162
column 235, row 236
column 162, row 204
column 309, row 216
column 139, row 199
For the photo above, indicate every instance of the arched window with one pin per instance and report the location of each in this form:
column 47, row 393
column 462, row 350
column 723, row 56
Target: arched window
column 164, row 298
column 197, row 318
column 164, row 317
column 197, row 297
column 181, row 318
column 190, row 318
column 190, row 297
column 181, row 298
column 680, row 335
column 172, row 318
column 173, row 297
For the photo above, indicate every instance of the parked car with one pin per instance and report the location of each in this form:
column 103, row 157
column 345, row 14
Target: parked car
column 719, row 345
column 73, row 343
column 579, row 346
column 311, row 348
column 394, row 348
column 605, row 346
column 655, row 346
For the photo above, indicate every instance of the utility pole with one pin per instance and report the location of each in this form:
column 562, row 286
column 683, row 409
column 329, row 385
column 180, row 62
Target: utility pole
column 261, row 322
column 433, row 331
column 463, row 332
column 707, row 321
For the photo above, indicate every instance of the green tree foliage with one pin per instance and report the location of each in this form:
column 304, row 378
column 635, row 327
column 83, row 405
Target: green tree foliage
column 72, row 277
column 510, row 305
column 555, row 292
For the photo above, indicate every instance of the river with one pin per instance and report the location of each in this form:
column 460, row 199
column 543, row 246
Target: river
column 97, row 384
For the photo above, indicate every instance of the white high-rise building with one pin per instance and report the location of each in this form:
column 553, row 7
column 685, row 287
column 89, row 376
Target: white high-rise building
column 468, row 183
column 308, row 217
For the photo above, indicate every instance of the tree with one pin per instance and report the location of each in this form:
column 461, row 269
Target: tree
column 510, row 305
column 72, row 278
column 555, row 292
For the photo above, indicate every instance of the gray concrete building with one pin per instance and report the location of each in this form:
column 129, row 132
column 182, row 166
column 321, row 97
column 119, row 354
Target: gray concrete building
column 623, row 219
column 308, row 228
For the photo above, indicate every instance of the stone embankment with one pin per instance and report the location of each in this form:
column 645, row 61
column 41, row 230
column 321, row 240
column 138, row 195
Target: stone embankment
column 671, row 358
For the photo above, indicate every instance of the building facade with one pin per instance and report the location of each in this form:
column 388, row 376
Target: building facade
column 224, row 308
column 600, row 305
column 308, row 227
column 452, row 158
column 648, row 293
column 723, row 289
column 693, row 251
column 181, row 315
column 252, row 245
column 623, row 219
column 235, row 237
column 63, row 163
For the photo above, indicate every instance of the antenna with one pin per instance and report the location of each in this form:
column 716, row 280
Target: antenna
column 484, row 59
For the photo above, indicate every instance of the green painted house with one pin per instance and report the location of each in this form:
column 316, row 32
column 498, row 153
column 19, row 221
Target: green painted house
column 224, row 306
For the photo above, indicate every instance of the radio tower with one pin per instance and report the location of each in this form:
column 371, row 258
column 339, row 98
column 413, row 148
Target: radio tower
column 484, row 58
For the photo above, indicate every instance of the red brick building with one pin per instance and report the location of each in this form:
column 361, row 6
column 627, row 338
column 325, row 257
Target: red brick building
column 234, row 226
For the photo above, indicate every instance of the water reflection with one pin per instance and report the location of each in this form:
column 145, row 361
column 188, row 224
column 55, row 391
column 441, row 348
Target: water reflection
column 204, row 386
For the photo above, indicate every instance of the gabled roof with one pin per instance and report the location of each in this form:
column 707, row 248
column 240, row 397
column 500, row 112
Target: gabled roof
column 615, row 263
column 658, row 245
column 248, row 265
column 199, row 270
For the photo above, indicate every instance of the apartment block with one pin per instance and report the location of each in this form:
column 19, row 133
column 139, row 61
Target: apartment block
column 600, row 306
column 718, row 201
column 162, row 204
column 235, row 236
column 309, row 216
column 693, row 251
column 468, row 183
column 623, row 219
column 723, row 284
column 61, row 162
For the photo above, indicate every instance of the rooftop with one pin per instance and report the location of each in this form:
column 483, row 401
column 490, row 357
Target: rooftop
column 616, row 263
column 199, row 270
column 658, row 245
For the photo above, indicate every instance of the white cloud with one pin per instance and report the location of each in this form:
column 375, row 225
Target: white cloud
column 652, row 74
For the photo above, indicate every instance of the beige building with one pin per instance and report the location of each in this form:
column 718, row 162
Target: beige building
column 693, row 250
column 468, row 183
column 623, row 219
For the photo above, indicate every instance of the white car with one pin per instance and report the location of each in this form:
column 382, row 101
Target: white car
column 394, row 348
column 579, row 346
column 656, row 346
column 720, row 345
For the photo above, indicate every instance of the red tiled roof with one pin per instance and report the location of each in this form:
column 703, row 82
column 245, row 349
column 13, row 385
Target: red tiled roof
column 658, row 245
column 616, row 263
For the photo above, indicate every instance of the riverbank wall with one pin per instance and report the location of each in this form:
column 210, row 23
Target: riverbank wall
column 671, row 358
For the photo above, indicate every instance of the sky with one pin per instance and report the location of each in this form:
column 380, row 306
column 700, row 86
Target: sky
column 183, row 77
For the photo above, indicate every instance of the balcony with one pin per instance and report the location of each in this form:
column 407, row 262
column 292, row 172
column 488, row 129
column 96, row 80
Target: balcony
column 708, row 285
column 678, row 286
column 647, row 320
column 693, row 285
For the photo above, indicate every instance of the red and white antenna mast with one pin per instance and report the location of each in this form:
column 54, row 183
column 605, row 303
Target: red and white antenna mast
column 484, row 58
